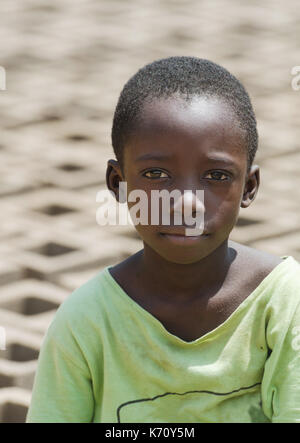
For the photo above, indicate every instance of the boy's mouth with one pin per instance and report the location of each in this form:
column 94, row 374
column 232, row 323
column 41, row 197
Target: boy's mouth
column 179, row 237
column 181, row 231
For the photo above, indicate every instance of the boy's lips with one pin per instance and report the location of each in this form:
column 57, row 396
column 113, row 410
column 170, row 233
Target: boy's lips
column 179, row 237
column 181, row 231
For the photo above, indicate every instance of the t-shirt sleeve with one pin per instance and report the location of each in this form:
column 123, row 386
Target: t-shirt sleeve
column 281, row 380
column 62, row 390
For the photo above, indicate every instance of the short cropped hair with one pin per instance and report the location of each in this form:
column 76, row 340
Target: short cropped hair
column 188, row 76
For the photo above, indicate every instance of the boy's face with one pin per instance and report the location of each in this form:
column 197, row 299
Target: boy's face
column 194, row 145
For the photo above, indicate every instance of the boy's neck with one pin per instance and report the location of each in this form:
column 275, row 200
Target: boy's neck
column 166, row 279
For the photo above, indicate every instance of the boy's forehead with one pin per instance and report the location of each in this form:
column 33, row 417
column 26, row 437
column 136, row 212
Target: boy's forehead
column 198, row 114
column 201, row 120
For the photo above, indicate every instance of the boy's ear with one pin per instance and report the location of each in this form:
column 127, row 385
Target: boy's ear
column 113, row 177
column 251, row 186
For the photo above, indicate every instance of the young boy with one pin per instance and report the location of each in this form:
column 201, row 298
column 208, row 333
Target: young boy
column 190, row 328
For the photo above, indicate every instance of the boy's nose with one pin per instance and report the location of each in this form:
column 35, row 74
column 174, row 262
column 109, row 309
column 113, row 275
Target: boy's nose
column 188, row 210
column 189, row 202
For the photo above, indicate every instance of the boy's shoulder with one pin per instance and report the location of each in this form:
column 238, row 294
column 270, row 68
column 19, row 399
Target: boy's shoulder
column 85, row 302
column 253, row 267
column 263, row 262
column 257, row 265
column 262, row 258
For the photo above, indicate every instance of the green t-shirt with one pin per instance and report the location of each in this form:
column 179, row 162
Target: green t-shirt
column 106, row 359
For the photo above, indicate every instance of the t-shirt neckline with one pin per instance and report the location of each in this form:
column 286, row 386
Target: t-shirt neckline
column 214, row 332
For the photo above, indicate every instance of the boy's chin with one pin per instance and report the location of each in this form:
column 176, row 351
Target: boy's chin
column 183, row 255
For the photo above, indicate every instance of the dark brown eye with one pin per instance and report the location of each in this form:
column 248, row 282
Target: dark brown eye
column 156, row 173
column 217, row 175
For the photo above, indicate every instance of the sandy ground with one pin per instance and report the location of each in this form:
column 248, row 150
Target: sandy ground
column 66, row 62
